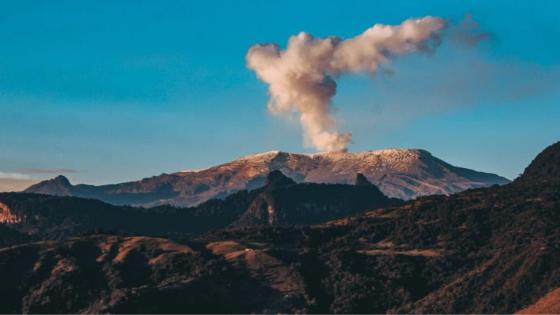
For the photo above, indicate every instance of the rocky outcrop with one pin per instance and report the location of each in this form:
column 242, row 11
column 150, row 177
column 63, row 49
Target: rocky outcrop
column 6, row 215
column 283, row 202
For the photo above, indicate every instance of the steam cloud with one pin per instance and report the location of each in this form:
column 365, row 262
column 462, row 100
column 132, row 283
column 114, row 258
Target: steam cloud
column 302, row 78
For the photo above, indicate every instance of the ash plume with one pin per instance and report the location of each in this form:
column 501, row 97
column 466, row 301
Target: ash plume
column 302, row 78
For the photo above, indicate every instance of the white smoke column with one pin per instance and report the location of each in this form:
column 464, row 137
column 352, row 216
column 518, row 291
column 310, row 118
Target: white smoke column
column 301, row 78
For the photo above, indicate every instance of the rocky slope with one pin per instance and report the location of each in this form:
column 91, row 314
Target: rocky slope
column 115, row 274
column 283, row 202
column 399, row 173
column 487, row 250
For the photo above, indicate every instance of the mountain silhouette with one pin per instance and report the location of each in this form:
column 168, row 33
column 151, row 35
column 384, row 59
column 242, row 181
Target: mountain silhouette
column 484, row 250
column 398, row 173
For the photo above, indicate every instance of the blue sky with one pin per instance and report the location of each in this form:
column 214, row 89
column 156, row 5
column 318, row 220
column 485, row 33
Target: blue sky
column 110, row 91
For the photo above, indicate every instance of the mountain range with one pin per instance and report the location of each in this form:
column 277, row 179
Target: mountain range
column 281, row 201
column 485, row 250
column 398, row 173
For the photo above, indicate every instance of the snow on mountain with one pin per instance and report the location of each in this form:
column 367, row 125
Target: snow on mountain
column 400, row 173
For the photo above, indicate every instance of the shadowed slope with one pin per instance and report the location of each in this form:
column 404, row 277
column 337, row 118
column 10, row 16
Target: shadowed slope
column 280, row 201
column 487, row 250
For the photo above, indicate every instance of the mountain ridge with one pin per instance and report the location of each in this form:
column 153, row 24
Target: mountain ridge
column 399, row 173
column 282, row 201
column 481, row 251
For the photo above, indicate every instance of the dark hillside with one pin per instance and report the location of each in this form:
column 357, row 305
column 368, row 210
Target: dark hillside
column 487, row 250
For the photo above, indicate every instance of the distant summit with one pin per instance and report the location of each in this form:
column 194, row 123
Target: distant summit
column 398, row 173
column 58, row 186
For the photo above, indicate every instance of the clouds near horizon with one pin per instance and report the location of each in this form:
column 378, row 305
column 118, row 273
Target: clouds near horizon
column 12, row 184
